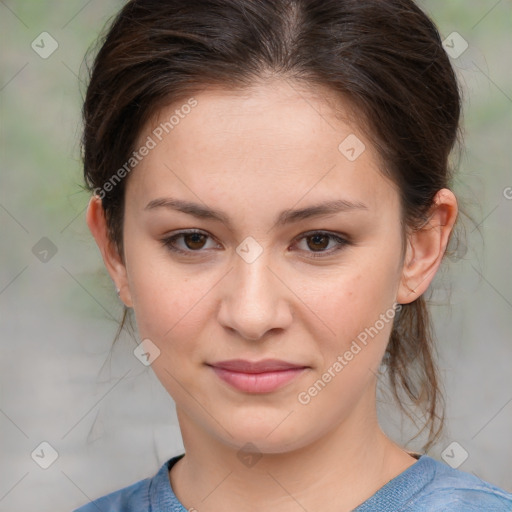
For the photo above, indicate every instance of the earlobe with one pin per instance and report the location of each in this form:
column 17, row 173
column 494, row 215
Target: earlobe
column 426, row 247
column 114, row 264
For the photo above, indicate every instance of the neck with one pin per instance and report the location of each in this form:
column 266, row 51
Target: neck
column 336, row 472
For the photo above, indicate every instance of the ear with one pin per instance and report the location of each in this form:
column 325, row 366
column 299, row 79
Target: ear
column 96, row 221
column 426, row 247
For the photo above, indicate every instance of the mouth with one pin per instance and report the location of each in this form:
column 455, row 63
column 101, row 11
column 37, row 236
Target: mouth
column 257, row 377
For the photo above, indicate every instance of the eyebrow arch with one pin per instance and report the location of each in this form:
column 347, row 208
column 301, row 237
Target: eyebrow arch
column 288, row 216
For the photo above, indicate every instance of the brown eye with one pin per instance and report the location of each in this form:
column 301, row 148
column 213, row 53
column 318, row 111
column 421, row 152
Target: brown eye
column 188, row 242
column 318, row 241
column 317, row 244
column 320, row 244
column 194, row 240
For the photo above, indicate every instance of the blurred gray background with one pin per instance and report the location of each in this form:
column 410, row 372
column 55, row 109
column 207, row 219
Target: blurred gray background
column 108, row 419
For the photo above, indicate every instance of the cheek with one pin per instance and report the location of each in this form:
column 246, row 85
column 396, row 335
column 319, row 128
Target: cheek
column 167, row 299
column 357, row 306
column 354, row 298
column 359, row 309
column 169, row 310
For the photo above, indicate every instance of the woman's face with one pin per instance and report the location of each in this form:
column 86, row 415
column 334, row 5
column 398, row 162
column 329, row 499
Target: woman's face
column 268, row 277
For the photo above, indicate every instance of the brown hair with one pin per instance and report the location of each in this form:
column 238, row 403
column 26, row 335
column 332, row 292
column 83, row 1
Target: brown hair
column 384, row 56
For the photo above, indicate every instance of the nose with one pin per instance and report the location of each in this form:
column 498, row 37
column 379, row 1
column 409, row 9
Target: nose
column 255, row 300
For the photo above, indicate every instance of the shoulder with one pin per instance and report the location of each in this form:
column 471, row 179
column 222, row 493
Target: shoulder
column 452, row 490
column 133, row 498
column 151, row 494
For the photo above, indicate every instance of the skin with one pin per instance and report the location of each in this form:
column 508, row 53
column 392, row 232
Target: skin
column 253, row 154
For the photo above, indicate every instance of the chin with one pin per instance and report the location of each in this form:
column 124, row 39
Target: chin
column 267, row 437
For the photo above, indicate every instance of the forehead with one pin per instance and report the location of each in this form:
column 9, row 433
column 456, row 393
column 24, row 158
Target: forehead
column 276, row 139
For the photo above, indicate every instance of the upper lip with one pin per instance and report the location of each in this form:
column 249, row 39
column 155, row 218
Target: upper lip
column 265, row 365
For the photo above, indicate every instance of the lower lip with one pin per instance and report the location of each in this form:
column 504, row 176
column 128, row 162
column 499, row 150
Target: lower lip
column 258, row 382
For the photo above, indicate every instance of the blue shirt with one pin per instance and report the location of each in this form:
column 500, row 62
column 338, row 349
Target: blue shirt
column 426, row 486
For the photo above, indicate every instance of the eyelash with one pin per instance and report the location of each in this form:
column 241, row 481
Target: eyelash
column 168, row 242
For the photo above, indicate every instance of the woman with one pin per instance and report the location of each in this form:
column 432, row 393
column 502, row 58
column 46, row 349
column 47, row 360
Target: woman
column 271, row 198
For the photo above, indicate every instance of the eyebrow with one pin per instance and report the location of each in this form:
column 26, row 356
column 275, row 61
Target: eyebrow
column 288, row 216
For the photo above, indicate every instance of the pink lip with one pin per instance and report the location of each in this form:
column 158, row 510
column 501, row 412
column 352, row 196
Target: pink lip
column 257, row 377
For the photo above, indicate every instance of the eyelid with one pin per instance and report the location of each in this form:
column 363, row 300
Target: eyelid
column 168, row 240
column 342, row 239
